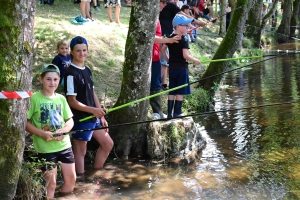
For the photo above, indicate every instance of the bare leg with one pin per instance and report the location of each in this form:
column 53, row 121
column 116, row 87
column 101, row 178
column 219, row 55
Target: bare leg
column 87, row 10
column 68, row 170
column 79, row 153
column 82, row 9
column 117, row 14
column 164, row 74
column 106, row 144
column 108, row 9
column 50, row 177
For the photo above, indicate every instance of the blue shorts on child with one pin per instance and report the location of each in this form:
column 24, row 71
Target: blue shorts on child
column 178, row 77
column 86, row 135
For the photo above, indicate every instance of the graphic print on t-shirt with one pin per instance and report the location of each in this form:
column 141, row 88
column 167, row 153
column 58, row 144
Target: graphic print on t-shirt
column 51, row 119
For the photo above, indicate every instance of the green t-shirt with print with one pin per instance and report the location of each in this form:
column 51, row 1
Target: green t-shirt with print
column 49, row 114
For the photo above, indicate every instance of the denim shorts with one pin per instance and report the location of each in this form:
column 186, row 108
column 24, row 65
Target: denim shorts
column 163, row 60
column 86, row 135
column 51, row 159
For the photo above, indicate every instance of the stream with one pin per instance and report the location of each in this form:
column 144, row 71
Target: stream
column 252, row 153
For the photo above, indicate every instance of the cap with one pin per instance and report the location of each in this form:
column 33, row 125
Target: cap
column 78, row 40
column 50, row 68
column 181, row 20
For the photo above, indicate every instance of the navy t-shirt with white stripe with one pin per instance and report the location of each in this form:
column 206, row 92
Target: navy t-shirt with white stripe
column 78, row 82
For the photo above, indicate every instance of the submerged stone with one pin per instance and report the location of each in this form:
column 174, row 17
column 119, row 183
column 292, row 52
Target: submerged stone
column 176, row 138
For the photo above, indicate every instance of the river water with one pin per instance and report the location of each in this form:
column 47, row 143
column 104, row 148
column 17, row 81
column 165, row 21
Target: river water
column 252, row 153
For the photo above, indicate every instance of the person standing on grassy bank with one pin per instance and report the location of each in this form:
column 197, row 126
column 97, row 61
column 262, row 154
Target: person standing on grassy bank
column 63, row 59
column 178, row 64
column 108, row 4
column 156, row 72
column 50, row 113
column 85, row 9
column 79, row 89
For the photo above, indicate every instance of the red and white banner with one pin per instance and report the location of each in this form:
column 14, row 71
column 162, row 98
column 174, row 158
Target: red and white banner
column 15, row 95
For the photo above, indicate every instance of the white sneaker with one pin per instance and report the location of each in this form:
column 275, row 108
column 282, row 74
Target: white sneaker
column 155, row 116
column 163, row 116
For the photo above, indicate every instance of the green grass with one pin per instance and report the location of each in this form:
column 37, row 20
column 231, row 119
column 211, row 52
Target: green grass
column 106, row 42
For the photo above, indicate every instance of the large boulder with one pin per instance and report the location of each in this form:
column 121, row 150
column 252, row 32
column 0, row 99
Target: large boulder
column 176, row 138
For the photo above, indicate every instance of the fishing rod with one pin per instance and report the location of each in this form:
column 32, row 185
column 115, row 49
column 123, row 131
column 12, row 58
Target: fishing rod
column 178, row 117
column 273, row 32
column 169, row 90
column 229, row 59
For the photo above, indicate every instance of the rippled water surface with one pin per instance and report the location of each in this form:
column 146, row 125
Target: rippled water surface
column 252, row 153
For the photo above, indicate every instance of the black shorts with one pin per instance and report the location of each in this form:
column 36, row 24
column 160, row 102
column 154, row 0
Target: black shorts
column 50, row 160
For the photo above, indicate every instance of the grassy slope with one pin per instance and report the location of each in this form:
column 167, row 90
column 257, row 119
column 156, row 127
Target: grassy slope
column 106, row 44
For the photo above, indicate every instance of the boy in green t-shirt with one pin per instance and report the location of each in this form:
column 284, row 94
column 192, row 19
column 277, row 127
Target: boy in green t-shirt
column 50, row 113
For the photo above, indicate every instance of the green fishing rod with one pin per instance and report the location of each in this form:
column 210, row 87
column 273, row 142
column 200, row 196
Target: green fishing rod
column 169, row 90
column 229, row 59
column 139, row 100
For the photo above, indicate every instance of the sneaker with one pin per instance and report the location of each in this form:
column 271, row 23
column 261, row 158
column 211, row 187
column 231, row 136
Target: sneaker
column 163, row 116
column 97, row 8
column 214, row 20
column 155, row 116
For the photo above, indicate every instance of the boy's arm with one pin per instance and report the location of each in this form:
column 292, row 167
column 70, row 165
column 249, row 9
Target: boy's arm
column 163, row 52
column 97, row 112
column 30, row 128
column 67, row 128
column 188, row 57
column 98, row 105
column 162, row 40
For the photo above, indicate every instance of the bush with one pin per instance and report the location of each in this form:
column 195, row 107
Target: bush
column 198, row 101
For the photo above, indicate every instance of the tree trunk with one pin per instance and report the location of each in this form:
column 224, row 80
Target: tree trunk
column 267, row 17
column 131, row 140
column 223, row 17
column 254, row 20
column 16, row 46
column 227, row 47
column 284, row 27
column 295, row 17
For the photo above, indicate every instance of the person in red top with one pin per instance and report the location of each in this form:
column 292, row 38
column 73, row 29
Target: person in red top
column 155, row 85
column 204, row 9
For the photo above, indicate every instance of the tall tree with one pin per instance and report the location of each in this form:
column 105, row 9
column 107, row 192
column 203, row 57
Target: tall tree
column 254, row 20
column 16, row 46
column 131, row 140
column 228, row 46
column 295, row 17
column 284, row 27
column 223, row 5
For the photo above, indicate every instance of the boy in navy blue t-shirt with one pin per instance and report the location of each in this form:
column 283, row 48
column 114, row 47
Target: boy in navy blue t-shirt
column 63, row 59
column 178, row 64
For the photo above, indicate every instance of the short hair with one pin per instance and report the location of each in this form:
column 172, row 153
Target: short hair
column 62, row 42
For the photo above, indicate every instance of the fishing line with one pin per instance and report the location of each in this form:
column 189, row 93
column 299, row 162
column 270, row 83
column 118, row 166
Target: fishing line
column 178, row 87
column 178, row 117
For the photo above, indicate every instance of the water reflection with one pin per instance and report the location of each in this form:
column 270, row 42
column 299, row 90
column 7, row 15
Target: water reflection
column 250, row 153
